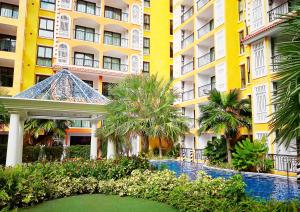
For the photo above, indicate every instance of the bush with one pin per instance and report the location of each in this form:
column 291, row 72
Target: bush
column 79, row 151
column 32, row 153
column 251, row 156
column 174, row 152
column 216, row 151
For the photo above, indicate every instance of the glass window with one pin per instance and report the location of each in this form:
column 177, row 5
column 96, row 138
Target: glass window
column 64, row 29
column 171, row 50
column 6, row 76
column 44, row 56
column 9, row 10
column 146, row 3
column 135, row 39
column 48, row 5
column 146, row 46
column 146, row 22
column 63, row 54
column 242, row 47
column 241, row 10
column 85, row 33
column 135, row 63
column 243, row 76
column 46, row 28
column 89, row 82
column 258, row 59
column 112, row 63
column 40, row 78
column 84, row 59
column 260, row 104
column 146, row 67
column 171, row 27
column 86, row 7
column 257, row 15
column 66, row 4
column 112, row 38
column 7, row 43
column 135, row 14
column 113, row 13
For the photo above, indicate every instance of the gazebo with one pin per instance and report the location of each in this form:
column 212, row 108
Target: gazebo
column 62, row 96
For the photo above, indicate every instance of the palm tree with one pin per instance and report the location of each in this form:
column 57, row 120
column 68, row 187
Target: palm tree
column 285, row 121
column 4, row 116
column 225, row 114
column 49, row 128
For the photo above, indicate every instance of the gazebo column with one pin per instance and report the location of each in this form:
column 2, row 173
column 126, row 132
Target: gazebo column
column 21, row 140
column 14, row 148
column 111, row 149
column 94, row 142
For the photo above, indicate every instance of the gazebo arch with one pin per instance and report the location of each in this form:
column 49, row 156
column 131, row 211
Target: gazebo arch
column 61, row 96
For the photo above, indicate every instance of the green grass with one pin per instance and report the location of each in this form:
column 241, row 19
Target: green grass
column 101, row 203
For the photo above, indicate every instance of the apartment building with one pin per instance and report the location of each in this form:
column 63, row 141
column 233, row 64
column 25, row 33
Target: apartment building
column 225, row 45
column 100, row 41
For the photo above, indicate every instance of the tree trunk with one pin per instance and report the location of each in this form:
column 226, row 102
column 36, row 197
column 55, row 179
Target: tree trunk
column 229, row 158
column 99, row 151
column 145, row 147
column 160, row 148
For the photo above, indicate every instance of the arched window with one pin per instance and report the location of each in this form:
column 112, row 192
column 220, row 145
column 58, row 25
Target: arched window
column 135, row 14
column 63, row 54
column 135, row 64
column 135, row 39
column 64, row 27
column 66, row 4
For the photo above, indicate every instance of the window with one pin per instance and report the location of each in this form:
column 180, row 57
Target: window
column 85, row 33
column 241, row 10
column 146, row 67
column 274, row 93
column 146, row 22
column 248, row 70
column 87, row 7
column 66, row 4
column 171, row 27
column 48, row 5
column 112, row 63
column 89, row 82
column 146, row 46
column 258, row 59
column 6, row 76
column 85, row 59
column 9, row 10
column 242, row 47
column 135, row 39
column 112, row 38
column 257, row 15
column 171, row 72
column 113, row 13
column 40, row 78
column 7, row 43
column 63, row 54
column 105, row 88
column 171, row 6
column 44, row 56
column 146, row 3
column 64, row 29
column 243, row 76
column 136, row 14
column 46, row 28
column 260, row 104
column 171, row 50
column 135, row 64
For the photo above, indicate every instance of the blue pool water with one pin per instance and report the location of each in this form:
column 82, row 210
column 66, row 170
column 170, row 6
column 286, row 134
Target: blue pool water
column 267, row 187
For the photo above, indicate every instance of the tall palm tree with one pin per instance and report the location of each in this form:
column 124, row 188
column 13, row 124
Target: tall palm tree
column 49, row 128
column 285, row 121
column 225, row 114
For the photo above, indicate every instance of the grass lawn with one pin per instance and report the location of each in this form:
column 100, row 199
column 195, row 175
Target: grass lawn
column 99, row 202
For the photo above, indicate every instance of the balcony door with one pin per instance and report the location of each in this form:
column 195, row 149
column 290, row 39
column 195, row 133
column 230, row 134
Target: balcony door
column 112, row 63
column 83, row 59
column 112, row 38
column 113, row 13
column 84, row 33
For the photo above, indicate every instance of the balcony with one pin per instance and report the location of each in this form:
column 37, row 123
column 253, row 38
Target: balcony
column 206, row 89
column 110, row 40
column 278, row 11
column 86, row 36
column 86, row 62
column 187, row 41
column 111, row 14
column 9, row 10
column 201, row 3
column 206, row 59
column 187, row 14
column 88, row 8
column 7, row 45
column 205, row 29
column 188, row 95
column 188, row 67
column 81, row 124
column 115, row 66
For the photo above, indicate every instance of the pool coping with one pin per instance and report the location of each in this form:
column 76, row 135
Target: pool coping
column 238, row 172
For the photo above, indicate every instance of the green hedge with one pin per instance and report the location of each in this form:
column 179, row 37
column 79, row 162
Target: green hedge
column 79, row 151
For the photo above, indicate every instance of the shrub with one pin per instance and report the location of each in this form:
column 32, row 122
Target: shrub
column 79, row 151
column 174, row 151
column 216, row 151
column 32, row 153
column 251, row 156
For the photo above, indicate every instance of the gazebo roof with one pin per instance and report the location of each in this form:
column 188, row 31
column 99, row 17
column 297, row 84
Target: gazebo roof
column 63, row 86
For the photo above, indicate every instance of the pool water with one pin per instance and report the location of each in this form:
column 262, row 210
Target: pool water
column 266, row 187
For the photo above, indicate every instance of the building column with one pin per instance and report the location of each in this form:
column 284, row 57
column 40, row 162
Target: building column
column 111, row 149
column 13, row 146
column 94, row 142
column 21, row 140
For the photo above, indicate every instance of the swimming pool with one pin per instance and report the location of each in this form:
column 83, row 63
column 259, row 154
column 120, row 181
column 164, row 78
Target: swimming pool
column 267, row 187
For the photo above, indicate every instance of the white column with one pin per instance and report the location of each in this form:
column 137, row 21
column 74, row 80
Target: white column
column 20, row 142
column 94, row 143
column 111, row 149
column 13, row 148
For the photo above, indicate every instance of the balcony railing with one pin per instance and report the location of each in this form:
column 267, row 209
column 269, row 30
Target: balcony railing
column 116, row 16
column 206, row 29
column 286, row 163
column 115, row 66
column 188, row 95
column 86, row 36
column 86, row 62
column 206, row 59
column 201, row 3
column 188, row 40
column 186, row 153
column 278, row 11
column 7, row 45
column 187, row 14
column 199, row 154
column 81, row 124
column 110, row 40
column 188, row 67
column 88, row 10
column 205, row 89
column 9, row 10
